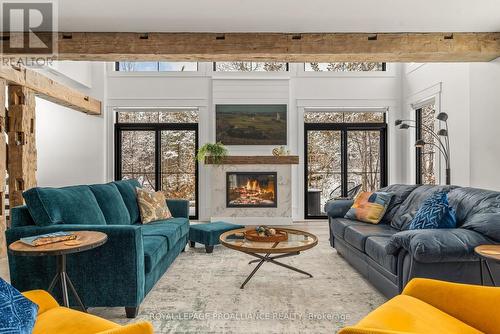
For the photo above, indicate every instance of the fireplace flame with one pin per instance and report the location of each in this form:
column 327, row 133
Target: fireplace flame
column 252, row 185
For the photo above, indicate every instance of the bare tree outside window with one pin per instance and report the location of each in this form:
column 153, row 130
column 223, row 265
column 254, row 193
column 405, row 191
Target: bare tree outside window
column 325, row 150
column 247, row 66
column 176, row 151
column 155, row 66
column 428, row 153
column 344, row 67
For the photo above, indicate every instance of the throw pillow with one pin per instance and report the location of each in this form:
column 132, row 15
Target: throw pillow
column 17, row 313
column 435, row 212
column 152, row 205
column 369, row 207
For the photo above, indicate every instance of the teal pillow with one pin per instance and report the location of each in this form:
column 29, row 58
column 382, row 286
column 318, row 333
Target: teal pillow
column 111, row 203
column 17, row 313
column 67, row 205
column 435, row 212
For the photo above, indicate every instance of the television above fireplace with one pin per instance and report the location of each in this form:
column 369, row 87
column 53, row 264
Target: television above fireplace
column 251, row 190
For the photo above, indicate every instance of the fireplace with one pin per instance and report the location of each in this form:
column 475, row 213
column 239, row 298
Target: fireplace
column 251, row 189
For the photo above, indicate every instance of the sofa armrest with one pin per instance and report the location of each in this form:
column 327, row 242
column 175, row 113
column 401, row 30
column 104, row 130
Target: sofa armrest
column 338, row 208
column 437, row 245
column 117, row 265
column 179, row 208
column 475, row 305
column 140, row 327
column 42, row 298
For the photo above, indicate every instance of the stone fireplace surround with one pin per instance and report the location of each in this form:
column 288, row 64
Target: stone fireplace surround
column 280, row 215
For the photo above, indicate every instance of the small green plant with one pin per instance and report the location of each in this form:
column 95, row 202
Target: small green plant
column 216, row 151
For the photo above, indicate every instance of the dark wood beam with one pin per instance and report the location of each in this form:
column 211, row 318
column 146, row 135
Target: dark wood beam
column 49, row 89
column 299, row 47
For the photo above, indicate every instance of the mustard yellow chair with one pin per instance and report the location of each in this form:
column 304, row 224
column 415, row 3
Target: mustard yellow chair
column 428, row 306
column 55, row 319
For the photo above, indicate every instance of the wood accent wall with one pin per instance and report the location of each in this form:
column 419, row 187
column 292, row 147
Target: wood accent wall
column 21, row 160
column 3, row 168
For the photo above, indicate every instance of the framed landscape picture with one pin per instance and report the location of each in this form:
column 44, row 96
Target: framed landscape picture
column 251, row 124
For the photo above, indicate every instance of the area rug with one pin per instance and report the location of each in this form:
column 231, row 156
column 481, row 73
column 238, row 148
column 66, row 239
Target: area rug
column 200, row 293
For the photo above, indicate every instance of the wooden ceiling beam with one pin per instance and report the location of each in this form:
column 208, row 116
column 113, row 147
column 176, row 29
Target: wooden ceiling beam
column 49, row 89
column 300, row 47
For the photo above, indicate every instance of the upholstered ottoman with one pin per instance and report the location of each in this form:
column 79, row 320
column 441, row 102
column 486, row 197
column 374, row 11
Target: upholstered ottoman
column 209, row 233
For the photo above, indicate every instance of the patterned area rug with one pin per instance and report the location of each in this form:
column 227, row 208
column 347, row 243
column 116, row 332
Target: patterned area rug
column 200, row 294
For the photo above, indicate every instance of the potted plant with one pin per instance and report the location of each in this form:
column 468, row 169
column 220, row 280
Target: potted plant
column 217, row 152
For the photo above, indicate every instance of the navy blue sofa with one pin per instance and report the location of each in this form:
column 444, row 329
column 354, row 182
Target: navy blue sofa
column 389, row 255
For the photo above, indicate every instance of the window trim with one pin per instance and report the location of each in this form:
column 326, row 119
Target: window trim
column 344, row 128
column 157, row 128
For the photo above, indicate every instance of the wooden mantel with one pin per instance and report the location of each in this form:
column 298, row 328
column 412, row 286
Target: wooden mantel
column 256, row 160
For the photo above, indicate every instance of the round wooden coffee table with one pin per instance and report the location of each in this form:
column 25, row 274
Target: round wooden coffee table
column 297, row 242
column 488, row 253
column 88, row 240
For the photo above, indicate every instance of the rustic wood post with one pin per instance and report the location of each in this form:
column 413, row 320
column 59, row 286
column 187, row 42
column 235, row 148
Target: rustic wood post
column 3, row 169
column 21, row 152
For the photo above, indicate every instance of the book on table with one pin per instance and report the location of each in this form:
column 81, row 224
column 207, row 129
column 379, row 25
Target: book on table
column 49, row 238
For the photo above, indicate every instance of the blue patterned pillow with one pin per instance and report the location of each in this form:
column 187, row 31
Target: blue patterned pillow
column 17, row 313
column 435, row 212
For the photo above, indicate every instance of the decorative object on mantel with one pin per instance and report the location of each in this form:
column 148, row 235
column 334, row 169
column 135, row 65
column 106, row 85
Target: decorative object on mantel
column 255, row 160
column 280, row 151
column 441, row 137
column 216, row 152
column 266, row 234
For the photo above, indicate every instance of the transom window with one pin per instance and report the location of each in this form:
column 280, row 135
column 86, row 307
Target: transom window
column 345, row 67
column 155, row 66
column 250, row 66
column 343, row 117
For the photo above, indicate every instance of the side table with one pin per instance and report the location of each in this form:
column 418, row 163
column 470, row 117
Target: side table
column 88, row 240
column 488, row 253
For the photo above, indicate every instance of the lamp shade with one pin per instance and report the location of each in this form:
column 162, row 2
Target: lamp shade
column 443, row 133
column 398, row 122
column 420, row 143
column 404, row 126
column 442, row 116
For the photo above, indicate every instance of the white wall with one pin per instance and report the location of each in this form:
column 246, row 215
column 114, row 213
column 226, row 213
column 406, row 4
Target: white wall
column 484, row 125
column 71, row 144
column 469, row 93
column 296, row 88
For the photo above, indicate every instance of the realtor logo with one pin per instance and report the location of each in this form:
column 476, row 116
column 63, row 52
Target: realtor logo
column 28, row 28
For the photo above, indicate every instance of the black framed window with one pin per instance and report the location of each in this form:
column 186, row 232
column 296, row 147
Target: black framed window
column 425, row 158
column 345, row 154
column 155, row 66
column 160, row 155
column 346, row 67
column 249, row 66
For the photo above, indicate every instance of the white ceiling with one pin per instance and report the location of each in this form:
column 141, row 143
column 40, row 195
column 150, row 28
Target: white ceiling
column 280, row 15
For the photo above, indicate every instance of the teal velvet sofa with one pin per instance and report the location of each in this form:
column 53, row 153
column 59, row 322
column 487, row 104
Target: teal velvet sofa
column 123, row 270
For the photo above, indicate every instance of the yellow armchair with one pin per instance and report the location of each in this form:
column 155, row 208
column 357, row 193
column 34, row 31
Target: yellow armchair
column 431, row 306
column 55, row 319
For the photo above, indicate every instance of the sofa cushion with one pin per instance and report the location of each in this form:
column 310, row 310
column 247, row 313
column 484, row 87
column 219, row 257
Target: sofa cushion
column 400, row 193
column 17, row 313
column 356, row 235
column 338, row 225
column 155, row 247
column 470, row 201
column 375, row 249
column 412, row 203
column 111, row 203
column 173, row 229
column 127, row 189
column 67, row 205
column 406, row 314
